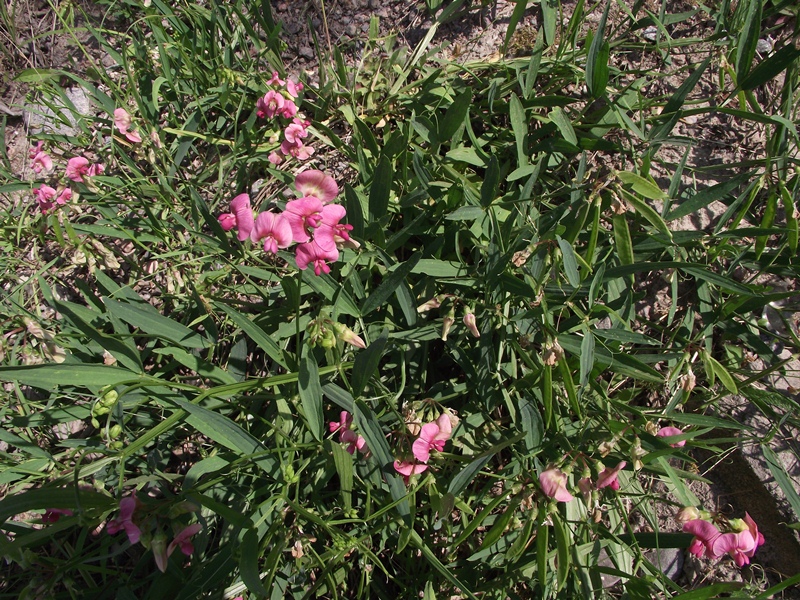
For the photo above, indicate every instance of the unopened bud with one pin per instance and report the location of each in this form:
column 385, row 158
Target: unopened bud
column 469, row 321
column 447, row 323
column 349, row 336
column 688, row 513
column 429, row 305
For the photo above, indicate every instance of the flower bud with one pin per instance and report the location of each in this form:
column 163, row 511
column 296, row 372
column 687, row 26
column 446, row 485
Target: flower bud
column 469, row 321
column 447, row 323
column 349, row 336
column 688, row 513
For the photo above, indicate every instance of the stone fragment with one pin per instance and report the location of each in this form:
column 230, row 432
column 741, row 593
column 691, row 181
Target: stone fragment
column 42, row 119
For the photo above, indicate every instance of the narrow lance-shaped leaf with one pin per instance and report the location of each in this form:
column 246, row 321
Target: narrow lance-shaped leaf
column 311, row 392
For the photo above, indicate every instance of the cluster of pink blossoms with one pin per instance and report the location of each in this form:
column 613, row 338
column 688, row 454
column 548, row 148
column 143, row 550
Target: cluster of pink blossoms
column 311, row 222
column 347, row 435
column 280, row 102
column 432, row 436
column 740, row 542
column 77, row 168
column 129, row 522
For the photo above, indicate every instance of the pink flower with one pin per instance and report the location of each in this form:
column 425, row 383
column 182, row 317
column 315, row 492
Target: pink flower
column 276, row 80
column 303, row 215
column 122, row 121
column 330, row 232
column 183, row 540
column 354, row 442
column 432, row 436
column 312, row 253
column 274, row 229
column 64, row 196
column 316, row 183
column 295, row 132
column 741, row 545
column 41, row 161
column 76, row 168
column 35, row 149
column 127, row 506
column 241, row 217
column 407, row 469
column 345, row 420
column 270, row 104
column 705, row 535
column 95, row 169
column 586, row 487
column 52, row 515
column 554, row 484
column 44, row 195
column 296, row 149
column 289, row 109
column 669, row 432
column 275, row 158
column 608, row 477
column 293, row 89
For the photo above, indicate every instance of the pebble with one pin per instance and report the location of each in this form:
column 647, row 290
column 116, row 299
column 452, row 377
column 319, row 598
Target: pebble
column 41, row 118
column 650, row 33
column 764, row 46
column 306, row 52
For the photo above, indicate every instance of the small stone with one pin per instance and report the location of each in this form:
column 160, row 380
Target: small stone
column 374, row 4
column 351, row 30
column 670, row 561
column 41, row 118
column 651, row 33
column 764, row 46
column 306, row 52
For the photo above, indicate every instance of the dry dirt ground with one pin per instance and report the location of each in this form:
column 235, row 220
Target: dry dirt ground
column 478, row 34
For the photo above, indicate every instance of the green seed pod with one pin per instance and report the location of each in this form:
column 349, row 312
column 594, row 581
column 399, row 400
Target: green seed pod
column 115, row 432
column 95, row 423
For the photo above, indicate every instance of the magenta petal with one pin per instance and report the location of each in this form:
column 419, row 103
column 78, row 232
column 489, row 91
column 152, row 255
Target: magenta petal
column 407, row 469
column 240, row 207
column 421, row 449
column 554, row 485
column 182, row 539
column 318, row 184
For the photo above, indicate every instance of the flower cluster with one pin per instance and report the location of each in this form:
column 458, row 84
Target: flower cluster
column 553, row 482
column 77, row 168
column 280, row 103
column 432, row 436
column 347, row 435
column 133, row 516
column 740, row 541
column 312, row 222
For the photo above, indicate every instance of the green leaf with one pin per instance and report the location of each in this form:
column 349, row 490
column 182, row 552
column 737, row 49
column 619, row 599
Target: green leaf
column 52, row 376
column 344, row 468
column 311, row 392
column 748, row 39
column 770, row 68
column 490, row 182
column 380, row 190
column 519, row 124
column 549, row 16
column 366, row 363
column 706, row 196
column 597, row 59
column 781, row 476
column 466, row 213
column 516, row 17
column 460, row 482
column 642, row 186
column 44, row 498
column 645, row 210
column 454, row 117
column 36, row 75
column 198, row 365
column 227, row 433
column 563, row 545
column 248, row 564
column 151, row 322
column 657, row 540
column 254, row 332
column 564, row 125
column 587, row 357
column 390, row 284
column 724, row 376
column 570, row 262
column 622, row 238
